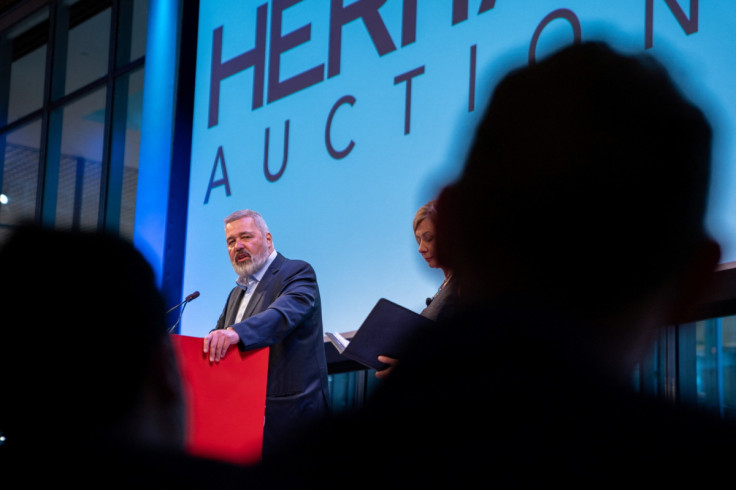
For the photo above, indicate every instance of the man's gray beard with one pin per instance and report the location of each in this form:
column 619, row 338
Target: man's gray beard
column 244, row 271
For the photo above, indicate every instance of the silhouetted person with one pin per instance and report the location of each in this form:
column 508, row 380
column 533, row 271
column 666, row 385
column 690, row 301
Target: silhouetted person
column 89, row 386
column 574, row 232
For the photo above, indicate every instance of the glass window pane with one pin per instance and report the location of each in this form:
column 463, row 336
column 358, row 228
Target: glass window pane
column 22, row 67
column 706, row 363
column 19, row 164
column 128, row 126
column 87, row 43
column 716, row 366
column 729, row 367
column 77, row 161
column 132, row 31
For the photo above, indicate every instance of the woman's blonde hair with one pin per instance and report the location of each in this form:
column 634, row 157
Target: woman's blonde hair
column 428, row 211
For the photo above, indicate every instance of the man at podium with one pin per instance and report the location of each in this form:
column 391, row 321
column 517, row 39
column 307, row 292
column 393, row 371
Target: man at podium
column 275, row 304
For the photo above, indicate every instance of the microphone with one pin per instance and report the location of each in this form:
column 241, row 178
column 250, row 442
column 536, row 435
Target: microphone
column 192, row 296
column 183, row 305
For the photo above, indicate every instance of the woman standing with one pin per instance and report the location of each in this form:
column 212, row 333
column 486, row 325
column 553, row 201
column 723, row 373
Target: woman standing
column 425, row 233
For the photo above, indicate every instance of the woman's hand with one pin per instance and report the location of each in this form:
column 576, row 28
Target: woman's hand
column 383, row 373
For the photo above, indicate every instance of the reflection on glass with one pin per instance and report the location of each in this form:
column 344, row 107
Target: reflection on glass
column 706, row 349
column 728, row 366
column 127, row 125
column 19, row 166
column 716, row 365
column 87, row 43
column 132, row 31
column 22, row 67
column 75, row 160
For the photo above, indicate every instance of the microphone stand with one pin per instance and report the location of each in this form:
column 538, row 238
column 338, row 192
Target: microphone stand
column 181, row 312
column 183, row 305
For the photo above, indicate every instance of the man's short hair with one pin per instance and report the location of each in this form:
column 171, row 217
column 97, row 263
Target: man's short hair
column 249, row 213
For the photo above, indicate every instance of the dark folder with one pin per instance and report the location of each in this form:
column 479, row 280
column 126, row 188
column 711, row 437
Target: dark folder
column 385, row 331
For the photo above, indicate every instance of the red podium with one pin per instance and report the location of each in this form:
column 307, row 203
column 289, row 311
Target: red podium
column 226, row 401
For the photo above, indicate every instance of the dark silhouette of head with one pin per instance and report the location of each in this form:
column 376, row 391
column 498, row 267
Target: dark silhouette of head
column 86, row 348
column 585, row 187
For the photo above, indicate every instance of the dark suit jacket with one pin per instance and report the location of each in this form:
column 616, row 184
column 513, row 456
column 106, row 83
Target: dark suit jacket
column 285, row 314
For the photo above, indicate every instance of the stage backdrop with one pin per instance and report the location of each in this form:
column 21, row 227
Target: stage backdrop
column 338, row 119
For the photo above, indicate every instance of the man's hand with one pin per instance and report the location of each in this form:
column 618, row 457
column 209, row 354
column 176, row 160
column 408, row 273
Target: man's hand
column 218, row 342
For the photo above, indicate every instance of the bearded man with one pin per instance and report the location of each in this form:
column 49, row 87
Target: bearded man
column 275, row 304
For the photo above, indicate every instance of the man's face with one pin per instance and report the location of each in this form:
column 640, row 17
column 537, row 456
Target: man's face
column 246, row 245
